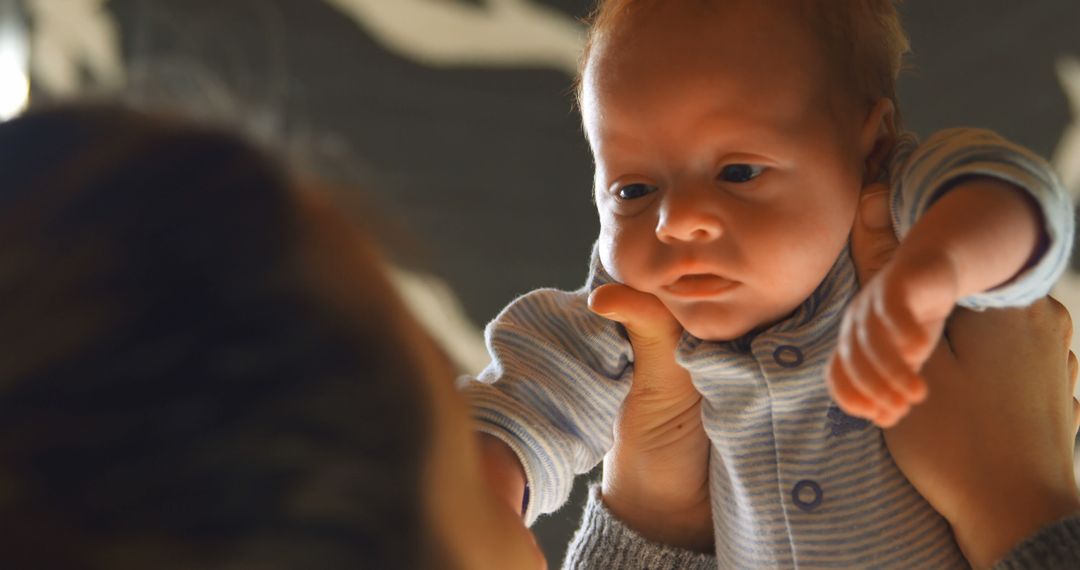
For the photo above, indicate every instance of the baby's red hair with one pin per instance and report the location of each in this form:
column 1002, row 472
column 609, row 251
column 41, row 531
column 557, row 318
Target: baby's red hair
column 863, row 40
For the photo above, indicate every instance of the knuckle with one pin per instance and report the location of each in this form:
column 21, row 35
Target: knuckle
column 1059, row 316
column 1063, row 314
column 1055, row 310
column 1055, row 305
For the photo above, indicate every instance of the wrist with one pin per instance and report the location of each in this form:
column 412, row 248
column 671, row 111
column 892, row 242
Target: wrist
column 932, row 274
column 679, row 525
column 989, row 229
column 654, row 497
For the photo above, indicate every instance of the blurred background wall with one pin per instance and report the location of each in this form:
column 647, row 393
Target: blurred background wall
column 456, row 118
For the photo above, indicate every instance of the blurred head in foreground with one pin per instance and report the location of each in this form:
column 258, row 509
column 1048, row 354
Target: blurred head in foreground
column 204, row 366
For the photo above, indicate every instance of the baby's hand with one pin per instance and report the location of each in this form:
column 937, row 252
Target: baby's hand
column 887, row 334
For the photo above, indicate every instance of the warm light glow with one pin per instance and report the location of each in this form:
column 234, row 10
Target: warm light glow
column 14, row 62
column 14, row 85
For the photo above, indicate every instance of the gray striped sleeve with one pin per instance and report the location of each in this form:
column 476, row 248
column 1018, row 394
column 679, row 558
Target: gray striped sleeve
column 921, row 173
column 558, row 376
column 1055, row 547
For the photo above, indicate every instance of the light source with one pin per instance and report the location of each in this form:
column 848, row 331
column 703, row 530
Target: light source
column 14, row 58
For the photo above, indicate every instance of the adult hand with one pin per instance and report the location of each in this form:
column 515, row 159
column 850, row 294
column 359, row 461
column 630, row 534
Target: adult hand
column 656, row 476
column 992, row 447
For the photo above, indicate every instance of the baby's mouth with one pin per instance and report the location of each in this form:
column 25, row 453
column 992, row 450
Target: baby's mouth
column 700, row 285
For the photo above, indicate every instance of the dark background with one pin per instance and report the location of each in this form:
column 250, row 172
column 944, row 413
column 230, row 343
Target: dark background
column 486, row 167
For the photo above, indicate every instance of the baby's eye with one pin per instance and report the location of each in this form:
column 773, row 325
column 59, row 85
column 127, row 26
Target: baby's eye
column 740, row 173
column 635, row 191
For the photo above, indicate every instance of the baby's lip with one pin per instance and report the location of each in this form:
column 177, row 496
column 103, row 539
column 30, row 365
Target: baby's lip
column 700, row 285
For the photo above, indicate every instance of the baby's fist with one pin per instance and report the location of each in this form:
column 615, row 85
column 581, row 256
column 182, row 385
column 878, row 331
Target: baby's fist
column 887, row 333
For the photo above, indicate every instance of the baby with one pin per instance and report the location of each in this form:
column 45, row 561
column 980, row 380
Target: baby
column 731, row 140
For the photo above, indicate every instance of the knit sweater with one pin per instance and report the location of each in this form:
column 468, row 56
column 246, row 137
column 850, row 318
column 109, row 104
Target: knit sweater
column 603, row 541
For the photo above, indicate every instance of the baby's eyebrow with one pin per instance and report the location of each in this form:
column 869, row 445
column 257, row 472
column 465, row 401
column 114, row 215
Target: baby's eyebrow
column 611, row 136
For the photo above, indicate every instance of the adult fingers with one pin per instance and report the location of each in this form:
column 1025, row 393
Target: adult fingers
column 1045, row 322
column 1073, row 365
column 654, row 335
column 872, row 239
column 1076, row 416
column 1073, row 368
column 648, row 322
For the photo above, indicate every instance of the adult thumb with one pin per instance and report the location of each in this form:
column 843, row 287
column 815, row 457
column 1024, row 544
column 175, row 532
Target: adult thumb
column 660, row 385
column 648, row 322
column 872, row 239
column 654, row 333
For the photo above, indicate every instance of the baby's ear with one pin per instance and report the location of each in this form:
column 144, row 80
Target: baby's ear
column 877, row 139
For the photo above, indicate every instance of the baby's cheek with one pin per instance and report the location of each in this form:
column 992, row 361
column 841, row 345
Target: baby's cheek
column 606, row 249
column 617, row 254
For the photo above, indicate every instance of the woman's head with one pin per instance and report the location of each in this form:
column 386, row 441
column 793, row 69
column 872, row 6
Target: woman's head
column 203, row 366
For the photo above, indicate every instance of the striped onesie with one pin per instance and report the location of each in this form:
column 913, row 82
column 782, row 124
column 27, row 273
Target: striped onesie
column 794, row 481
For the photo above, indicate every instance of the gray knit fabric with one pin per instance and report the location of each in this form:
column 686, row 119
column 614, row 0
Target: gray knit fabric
column 1055, row 547
column 604, row 542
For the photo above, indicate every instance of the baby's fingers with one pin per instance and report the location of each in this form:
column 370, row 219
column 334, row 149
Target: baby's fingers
column 876, row 342
column 910, row 337
column 843, row 391
column 874, row 386
column 854, row 402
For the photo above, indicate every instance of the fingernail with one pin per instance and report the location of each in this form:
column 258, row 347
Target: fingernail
column 874, row 211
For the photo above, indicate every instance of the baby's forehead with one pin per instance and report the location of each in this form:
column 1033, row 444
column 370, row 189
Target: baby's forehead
column 761, row 17
column 785, row 35
column 733, row 30
column 697, row 46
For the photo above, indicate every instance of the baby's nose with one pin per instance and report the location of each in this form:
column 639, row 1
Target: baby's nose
column 688, row 220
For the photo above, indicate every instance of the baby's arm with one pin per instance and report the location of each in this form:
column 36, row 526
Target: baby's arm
column 546, row 406
column 986, row 222
column 977, row 236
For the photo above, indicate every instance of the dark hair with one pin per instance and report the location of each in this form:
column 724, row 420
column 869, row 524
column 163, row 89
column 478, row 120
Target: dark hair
column 175, row 391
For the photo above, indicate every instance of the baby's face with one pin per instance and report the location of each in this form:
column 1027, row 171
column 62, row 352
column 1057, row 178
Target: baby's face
column 728, row 168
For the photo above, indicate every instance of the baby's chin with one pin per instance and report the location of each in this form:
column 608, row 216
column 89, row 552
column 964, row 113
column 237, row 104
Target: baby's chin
column 719, row 325
column 716, row 329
